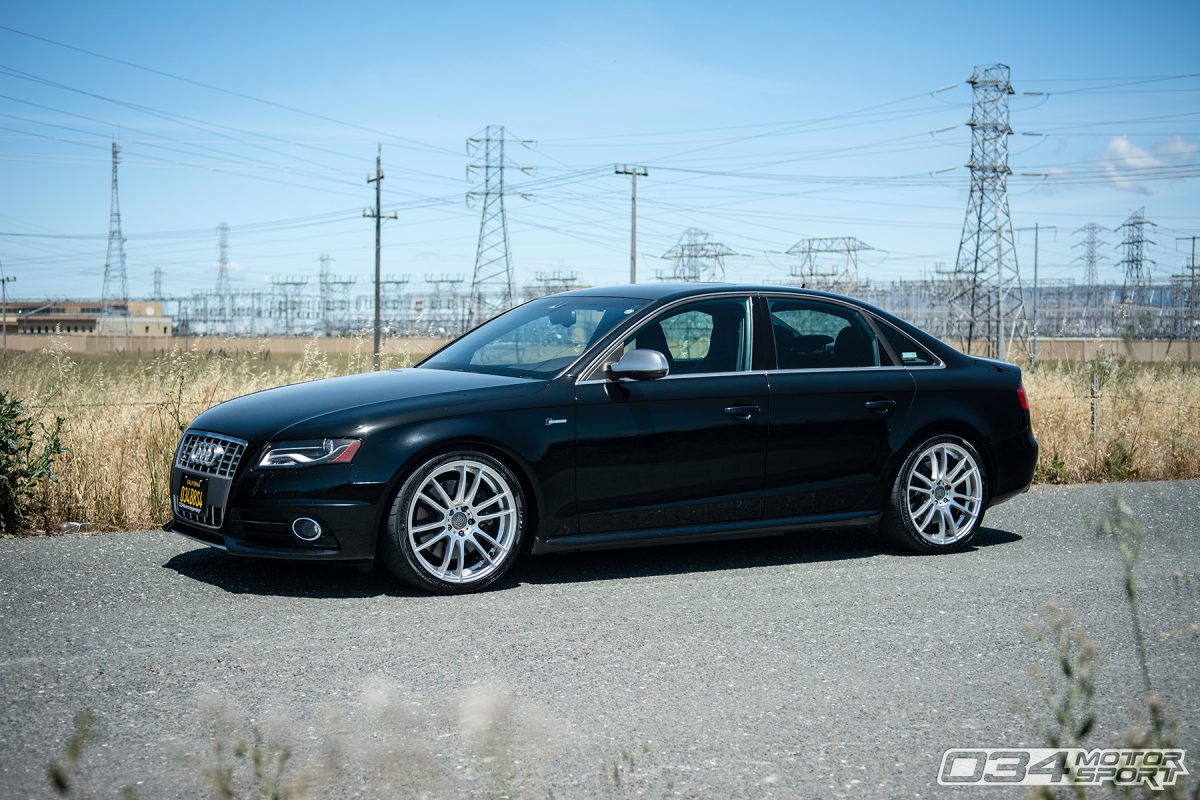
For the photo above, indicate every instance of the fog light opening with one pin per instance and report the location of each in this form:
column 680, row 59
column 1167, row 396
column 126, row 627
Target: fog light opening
column 307, row 530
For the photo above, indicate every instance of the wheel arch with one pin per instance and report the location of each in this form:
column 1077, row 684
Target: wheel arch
column 950, row 427
column 524, row 474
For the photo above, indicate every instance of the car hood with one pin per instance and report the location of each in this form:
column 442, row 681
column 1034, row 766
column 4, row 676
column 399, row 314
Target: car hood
column 342, row 406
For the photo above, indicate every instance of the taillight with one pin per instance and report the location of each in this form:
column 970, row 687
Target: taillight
column 1022, row 398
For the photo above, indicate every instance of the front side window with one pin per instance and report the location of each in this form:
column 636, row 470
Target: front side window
column 810, row 334
column 699, row 338
column 536, row 340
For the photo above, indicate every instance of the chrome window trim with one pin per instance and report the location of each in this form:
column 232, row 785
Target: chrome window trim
column 849, row 369
column 591, row 381
column 748, row 296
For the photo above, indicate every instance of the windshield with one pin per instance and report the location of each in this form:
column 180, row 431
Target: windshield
column 535, row 340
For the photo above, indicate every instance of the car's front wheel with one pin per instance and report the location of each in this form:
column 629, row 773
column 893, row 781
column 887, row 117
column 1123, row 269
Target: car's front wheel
column 938, row 497
column 456, row 524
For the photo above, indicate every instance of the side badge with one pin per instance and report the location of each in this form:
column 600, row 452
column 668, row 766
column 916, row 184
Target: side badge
column 554, row 421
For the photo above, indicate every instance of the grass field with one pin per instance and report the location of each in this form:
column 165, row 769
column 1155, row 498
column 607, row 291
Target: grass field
column 123, row 418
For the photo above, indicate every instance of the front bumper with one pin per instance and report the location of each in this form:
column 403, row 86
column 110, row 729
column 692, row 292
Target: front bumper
column 262, row 505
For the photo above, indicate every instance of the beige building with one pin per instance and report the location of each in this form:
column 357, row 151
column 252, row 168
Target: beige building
column 86, row 317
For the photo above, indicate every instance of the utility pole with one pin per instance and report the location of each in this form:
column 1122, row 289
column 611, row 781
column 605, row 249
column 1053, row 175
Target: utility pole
column 632, row 172
column 379, row 217
column 5, row 280
column 1191, row 295
column 1037, row 228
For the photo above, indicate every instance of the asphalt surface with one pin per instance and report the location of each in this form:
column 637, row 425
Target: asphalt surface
column 816, row 665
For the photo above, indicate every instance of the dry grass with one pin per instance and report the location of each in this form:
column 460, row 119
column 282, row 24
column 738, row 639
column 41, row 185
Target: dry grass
column 1147, row 421
column 124, row 417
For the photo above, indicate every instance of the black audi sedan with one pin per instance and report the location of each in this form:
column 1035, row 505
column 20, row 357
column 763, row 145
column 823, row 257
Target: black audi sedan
column 615, row 417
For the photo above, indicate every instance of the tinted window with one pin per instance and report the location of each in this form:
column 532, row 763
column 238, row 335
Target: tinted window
column 810, row 334
column 535, row 340
column 908, row 351
column 702, row 337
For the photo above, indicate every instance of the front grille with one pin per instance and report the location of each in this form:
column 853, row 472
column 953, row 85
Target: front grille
column 210, row 453
column 211, row 517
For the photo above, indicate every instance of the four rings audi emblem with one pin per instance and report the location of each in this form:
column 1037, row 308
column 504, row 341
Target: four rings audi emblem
column 206, row 454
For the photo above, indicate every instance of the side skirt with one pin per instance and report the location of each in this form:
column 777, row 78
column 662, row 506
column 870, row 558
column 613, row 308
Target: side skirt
column 702, row 533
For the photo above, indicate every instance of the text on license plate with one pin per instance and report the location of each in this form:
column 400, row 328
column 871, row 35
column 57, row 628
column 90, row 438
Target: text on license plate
column 191, row 493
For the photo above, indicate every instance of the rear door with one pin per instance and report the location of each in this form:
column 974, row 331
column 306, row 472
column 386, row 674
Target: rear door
column 837, row 412
column 686, row 449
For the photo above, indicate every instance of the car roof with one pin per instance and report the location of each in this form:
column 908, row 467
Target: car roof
column 674, row 291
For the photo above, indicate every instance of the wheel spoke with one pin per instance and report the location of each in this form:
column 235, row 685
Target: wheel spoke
column 950, row 520
column 950, row 477
column 928, row 518
column 488, row 502
column 442, row 492
column 432, row 502
column 481, row 550
column 494, row 515
column 916, row 474
column 446, row 557
column 462, row 484
column 474, row 487
column 431, row 542
column 972, row 474
column 431, row 526
column 462, row 556
column 480, row 533
column 924, row 507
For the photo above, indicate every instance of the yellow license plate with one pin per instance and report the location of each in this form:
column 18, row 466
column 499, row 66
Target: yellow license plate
column 191, row 493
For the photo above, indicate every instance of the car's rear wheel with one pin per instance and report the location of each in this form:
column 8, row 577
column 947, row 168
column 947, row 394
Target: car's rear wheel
column 456, row 524
column 939, row 496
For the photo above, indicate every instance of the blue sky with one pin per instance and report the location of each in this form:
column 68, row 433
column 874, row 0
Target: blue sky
column 761, row 123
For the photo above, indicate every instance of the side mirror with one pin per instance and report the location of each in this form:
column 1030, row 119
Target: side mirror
column 640, row 365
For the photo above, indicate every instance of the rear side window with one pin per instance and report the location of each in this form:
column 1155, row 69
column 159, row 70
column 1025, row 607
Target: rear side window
column 810, row 334
column 908, row 351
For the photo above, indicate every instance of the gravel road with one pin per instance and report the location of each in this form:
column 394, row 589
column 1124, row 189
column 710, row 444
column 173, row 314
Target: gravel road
column 816, row 665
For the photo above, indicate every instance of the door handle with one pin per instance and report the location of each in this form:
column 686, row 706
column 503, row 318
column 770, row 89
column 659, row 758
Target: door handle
column 879, row 406
column 744, row 412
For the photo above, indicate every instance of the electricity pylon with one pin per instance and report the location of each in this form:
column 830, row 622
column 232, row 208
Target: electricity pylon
column 986, row 302
column 493, row 287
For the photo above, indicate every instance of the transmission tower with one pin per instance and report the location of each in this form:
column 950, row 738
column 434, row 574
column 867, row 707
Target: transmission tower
column 1137, row 274
column 843, row 277
column 114, row 298
column 448, row 310
column 555, row 282
column 157, row 295
column 391, row 288
column 986, row 302
column 1091, row 245
column 335, row 296
column 697, row 258
column 288, row 301
column 493, row 288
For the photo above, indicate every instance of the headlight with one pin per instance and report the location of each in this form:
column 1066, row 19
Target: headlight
column 310, row 453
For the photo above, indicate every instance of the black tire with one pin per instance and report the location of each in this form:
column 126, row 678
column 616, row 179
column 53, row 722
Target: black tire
column 898, row 523
column 396, row 547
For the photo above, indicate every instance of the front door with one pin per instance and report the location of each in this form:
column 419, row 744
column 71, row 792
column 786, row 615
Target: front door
column 684, row 450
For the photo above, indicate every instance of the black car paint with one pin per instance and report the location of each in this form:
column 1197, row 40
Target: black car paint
column 634, row 462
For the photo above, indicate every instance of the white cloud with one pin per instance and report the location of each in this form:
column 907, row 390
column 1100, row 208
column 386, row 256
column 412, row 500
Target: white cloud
column 1125, row 162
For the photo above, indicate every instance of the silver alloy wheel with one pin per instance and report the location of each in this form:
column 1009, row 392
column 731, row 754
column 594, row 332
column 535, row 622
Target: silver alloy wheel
column 462, row 521
column 944, row 493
